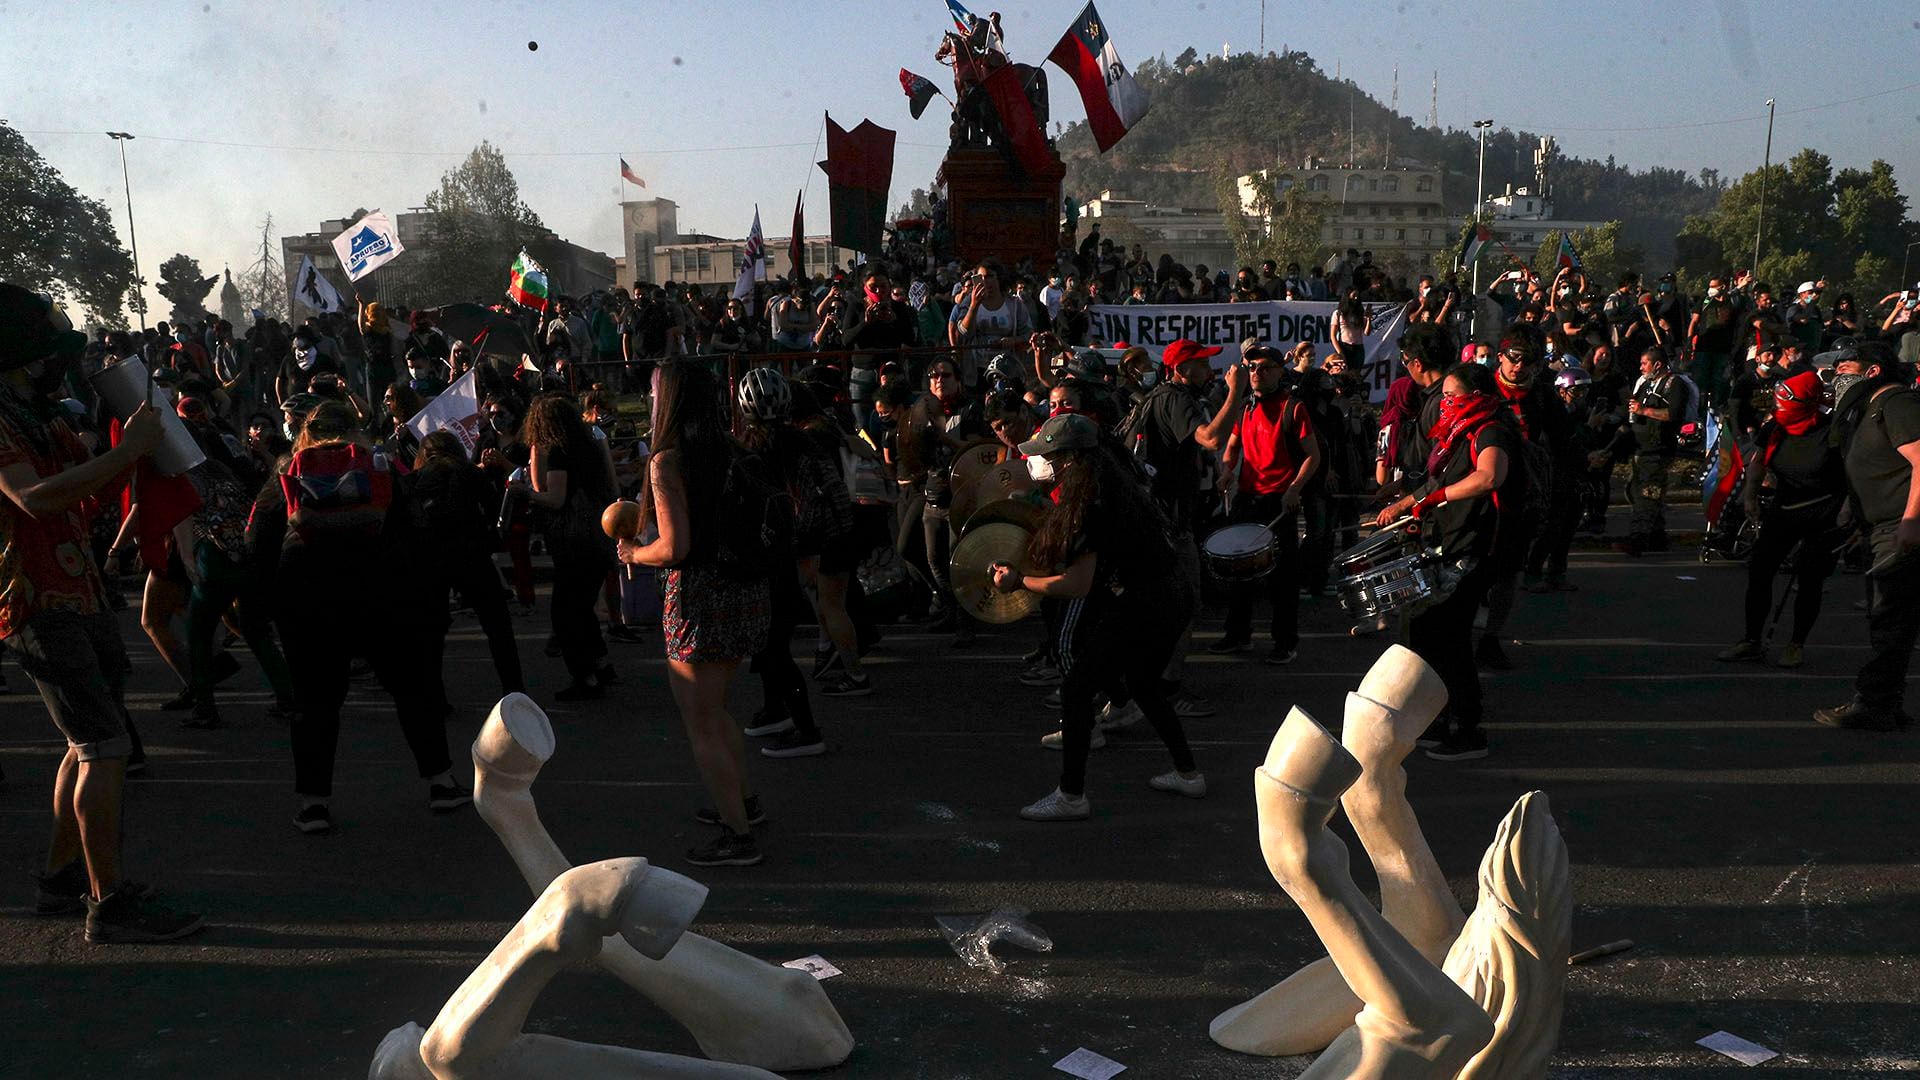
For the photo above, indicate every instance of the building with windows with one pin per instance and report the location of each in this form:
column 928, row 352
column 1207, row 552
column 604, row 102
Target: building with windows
column 1399, row 213
column 698, row 259
column 1193, row 236
column 1522, row 218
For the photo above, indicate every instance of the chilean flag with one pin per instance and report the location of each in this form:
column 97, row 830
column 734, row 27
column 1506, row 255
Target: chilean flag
column 1114, row 101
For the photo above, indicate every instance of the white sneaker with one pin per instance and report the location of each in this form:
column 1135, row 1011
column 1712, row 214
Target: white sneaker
column 1056, row 805
column 1112, row 719
column 1195, row 788
column 1057, row 740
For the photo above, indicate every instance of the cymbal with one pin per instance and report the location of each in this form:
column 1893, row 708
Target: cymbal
column 973, row 559
column 968, row 467
column 1026, row 511
column 1006, row 480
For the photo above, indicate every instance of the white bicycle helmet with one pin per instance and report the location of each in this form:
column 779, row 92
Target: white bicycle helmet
column 765, row 395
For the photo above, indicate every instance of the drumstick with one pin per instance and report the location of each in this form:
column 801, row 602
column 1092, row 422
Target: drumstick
column 1599, row 951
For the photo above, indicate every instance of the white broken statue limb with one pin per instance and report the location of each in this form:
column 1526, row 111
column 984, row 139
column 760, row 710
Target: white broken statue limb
column 1416, row 959
column 480, row 1032
column 739, row 1009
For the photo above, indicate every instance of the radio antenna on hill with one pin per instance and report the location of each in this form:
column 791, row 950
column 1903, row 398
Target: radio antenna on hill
column 1393, row 114
column 1433, row 110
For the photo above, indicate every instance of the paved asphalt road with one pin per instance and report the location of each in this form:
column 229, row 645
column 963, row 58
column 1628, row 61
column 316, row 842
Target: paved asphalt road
column 1764, row 865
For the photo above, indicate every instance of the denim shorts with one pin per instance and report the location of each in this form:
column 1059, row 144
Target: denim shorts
column 80, row 666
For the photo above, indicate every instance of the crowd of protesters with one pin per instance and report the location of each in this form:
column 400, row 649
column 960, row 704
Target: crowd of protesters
column 796, row 464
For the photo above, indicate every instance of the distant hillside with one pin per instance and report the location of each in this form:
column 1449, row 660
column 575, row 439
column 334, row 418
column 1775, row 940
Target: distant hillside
column 1251, row 112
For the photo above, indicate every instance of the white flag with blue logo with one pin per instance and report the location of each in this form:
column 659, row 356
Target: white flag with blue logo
column 367, row 245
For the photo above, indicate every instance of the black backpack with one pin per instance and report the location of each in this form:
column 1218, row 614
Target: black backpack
column 756, row 518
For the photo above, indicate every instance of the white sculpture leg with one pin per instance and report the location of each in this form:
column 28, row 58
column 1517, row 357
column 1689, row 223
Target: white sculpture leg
column 1415, row 1023
column 738, row 1008
column 478, row 1034
column 1399, row 697
column 1512, row 956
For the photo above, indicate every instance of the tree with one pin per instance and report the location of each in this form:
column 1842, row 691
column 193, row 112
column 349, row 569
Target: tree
column 1603, row 255
column 56, row 240
column 919, row 204
column 185, row 288
column 480, row 224
column 263, row 286
column 1284, row 227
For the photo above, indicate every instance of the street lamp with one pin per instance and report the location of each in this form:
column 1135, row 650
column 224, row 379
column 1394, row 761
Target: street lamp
column 139, row 298
column 1766, row 162
column 1481, row 127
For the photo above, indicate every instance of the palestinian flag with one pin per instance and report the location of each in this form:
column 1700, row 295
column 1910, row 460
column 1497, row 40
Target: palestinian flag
column 920, row 90
column 527, row 283
column 1470, row 245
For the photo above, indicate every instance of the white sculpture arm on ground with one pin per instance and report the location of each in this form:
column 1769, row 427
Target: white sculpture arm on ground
column 478, row 1034
column 1512, row 956
column 1415, row 1023
column 738, row 1008
column 1399, row 697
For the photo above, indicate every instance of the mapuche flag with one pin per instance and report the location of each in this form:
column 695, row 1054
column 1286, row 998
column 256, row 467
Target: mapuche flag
column 1114, row 101
column 859, row 170
column 920, row 90
column 527, row 283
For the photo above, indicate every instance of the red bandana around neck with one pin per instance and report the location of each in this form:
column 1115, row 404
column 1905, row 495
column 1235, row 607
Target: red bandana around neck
column 1461, row 416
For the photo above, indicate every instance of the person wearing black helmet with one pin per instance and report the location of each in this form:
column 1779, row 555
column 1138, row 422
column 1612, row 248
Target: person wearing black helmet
column 54, row 615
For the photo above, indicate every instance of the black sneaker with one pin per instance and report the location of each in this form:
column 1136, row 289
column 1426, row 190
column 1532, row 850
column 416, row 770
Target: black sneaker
column 1280, row 657
column 205, row 718
column 1231, row 644
column 444, row 797
column 847, row 686
column 1491, row 656
column 179, row 702
column 623, row 632
column 825, row 662
column 124, row 918
column 314, row 820
column 756, row 815
column 65, row 891
column 728, row 849
column 766, row 724
column 1435, row 735
column 1460, row 746
column 606, row 676
column 794, row 744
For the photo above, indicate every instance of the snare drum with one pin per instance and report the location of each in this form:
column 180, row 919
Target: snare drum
column 1241, row 552
column 1388, row 571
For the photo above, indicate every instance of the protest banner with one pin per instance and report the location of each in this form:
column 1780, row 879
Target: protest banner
column 1279, row 323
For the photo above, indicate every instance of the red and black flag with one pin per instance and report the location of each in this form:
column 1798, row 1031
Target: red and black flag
column 920, row 90
column 859, row 170
column 797, row 243
column 1008, row 92
column 1114, row 101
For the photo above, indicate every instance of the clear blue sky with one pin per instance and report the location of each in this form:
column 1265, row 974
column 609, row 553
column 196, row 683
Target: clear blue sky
column 403, row 89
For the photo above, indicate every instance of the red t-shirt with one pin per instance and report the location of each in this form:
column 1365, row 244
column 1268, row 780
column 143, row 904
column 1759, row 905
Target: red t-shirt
column 45, row 563
column 1272, row 433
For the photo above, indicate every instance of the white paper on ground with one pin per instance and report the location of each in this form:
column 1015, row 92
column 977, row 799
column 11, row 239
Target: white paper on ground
column 814, row 965
column 1737, row 1048
column 1088, row 1065
column 1685, row 577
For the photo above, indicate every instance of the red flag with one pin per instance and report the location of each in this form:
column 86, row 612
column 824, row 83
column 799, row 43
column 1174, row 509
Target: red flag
column 797, row 245
column 627, row 174
column 1009, row 94
column 859, row 170
column 920, row 90
column 164, row 501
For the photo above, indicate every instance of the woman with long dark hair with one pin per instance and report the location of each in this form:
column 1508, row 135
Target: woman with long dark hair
column 457, row 508
column 571, row 479
column 1469, row 507
column 1351, row 323
column 1103, row 550
column 715, row 594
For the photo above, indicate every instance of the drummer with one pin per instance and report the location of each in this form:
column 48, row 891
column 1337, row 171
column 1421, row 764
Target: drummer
column 1468, row 506
column 1125, row 610
column 1273, row 453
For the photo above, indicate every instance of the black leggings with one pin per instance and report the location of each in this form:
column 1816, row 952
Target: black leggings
column 1110, row 640
column 1442, row 635
column 1813, row 529
column 321, row 636
column 578, row 574
column 473, row 576
column 781, row 682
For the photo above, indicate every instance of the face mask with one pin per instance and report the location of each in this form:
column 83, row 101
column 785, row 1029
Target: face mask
column 1714, row 292
column 1564, row 293
column 306, row 358
column 1040, row 469
column 1842, row 384
column 1664, row 287
column 1148, row 378
column 288, row 430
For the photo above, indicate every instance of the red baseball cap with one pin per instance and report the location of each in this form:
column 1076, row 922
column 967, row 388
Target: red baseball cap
column 1184, row 350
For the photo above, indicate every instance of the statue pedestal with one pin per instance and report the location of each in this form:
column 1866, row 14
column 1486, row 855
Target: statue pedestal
column 994, row 212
